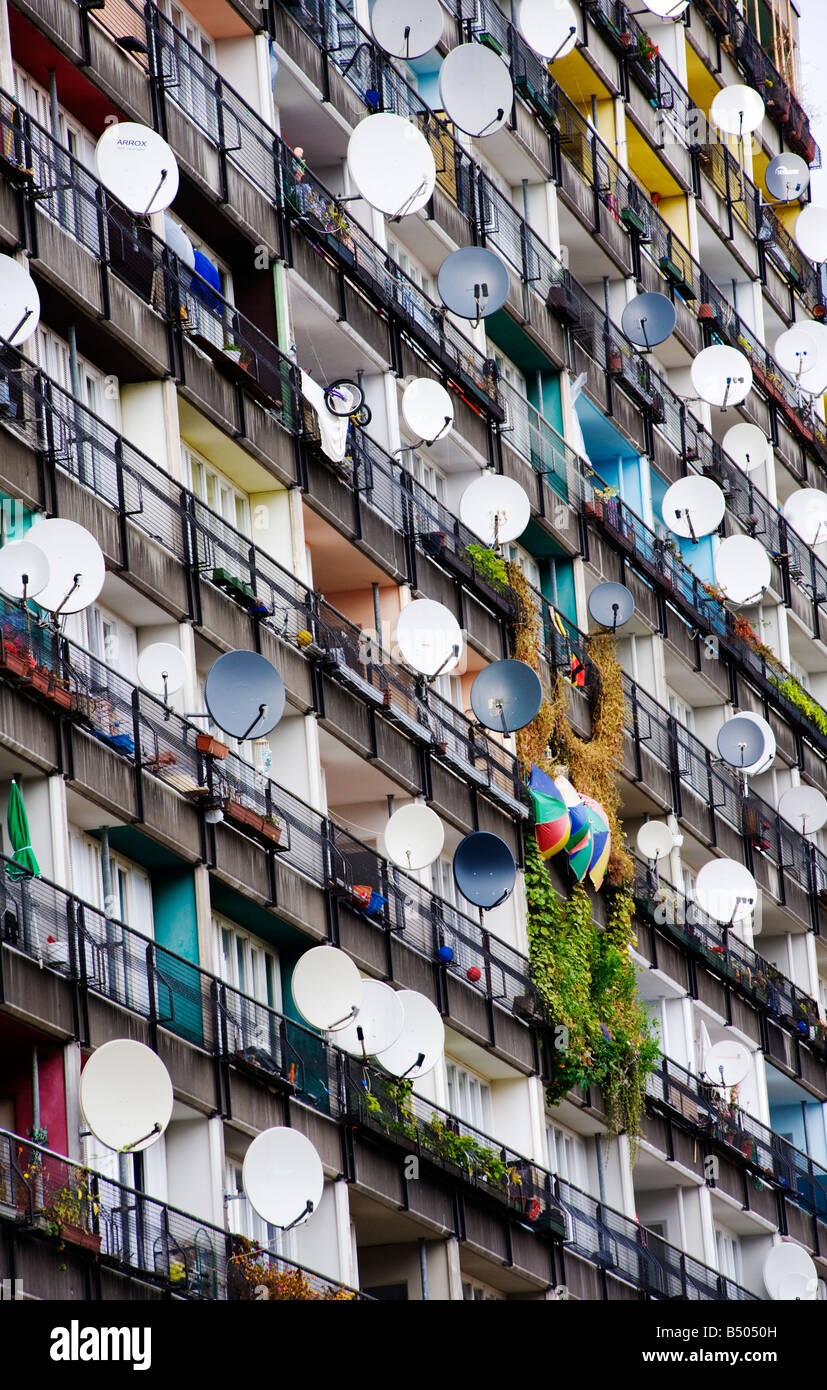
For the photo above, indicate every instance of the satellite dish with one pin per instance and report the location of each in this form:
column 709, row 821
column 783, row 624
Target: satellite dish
column 655, row 840
column 414, row 837
column 804, row 807
column 611, row 605
column 747, row 446
column 283, row 1177
column 693, row 507
column 327, row 988
column 178, row 242
column 722, row 376
column 378, row 1024
column 786, row 177
column 495, row 508
column 806, row 511
column 421, row 1043
column 137, row 166
column 391, row 164
column 244, row 694
column 506, row 695
column 726, row 891
column 548, row 26
column 737, row 110
column 728, row 1063
column 427, row 409
column 162, row 668
column 24, row 570
column 76, row 565
column 666, row 9
column 801, row 351
column 19, row 302
column 810, row 233
column 484, row 869
column 742, row 569
column 747, row 742
column 126, row 1095
column 429, row 638
column 473, row 283
column 475, row 89
column 789, row 1273
column 407, row 28
column 649, row 319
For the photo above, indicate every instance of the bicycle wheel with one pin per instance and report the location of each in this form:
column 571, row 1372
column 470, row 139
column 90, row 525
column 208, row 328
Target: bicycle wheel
column 343, row 397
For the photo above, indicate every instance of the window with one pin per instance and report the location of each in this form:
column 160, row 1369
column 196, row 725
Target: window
column 220, row 548
column 518, row 412
column 216, row 491
column 70, row 205
column 442, row 878
column 565, row 1155
column 246, row 963
column 527, row 563
column 729, row 1255
column 242, row 1220
column 474, row 1292
column 411, row 302
column 685, row 717
column 190, row 52
column 469, row 1097
column 425, row 473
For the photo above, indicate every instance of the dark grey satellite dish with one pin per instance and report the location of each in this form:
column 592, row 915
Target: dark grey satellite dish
column 473, row 283
column 244, row 694
column 649, row 319
column 740, row 742
column 484, row 869
column 786, row 177
column 506, row 696
column 611, row 605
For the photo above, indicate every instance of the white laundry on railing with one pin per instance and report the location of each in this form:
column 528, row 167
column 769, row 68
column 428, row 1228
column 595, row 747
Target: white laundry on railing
column 332, row 428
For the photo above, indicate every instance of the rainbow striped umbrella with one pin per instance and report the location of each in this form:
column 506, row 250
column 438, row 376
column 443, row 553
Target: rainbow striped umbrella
column 551, row 815
column 601, row 841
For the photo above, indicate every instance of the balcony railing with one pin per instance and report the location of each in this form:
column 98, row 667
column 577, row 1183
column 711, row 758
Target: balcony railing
column 130, row 1231
column 112, row 960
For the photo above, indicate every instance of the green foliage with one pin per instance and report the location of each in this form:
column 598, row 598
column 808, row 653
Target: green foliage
column 810, row 708
column 488, row 565
column 587, row 980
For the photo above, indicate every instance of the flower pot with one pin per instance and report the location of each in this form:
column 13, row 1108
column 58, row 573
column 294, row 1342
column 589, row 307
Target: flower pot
column 41, row 678
column 243, row 815
column 205, row 743
column 61, row 695
column 270, row 831
column 13, row 661
column 707, row 311
column 614, row 361
column 78, row 1235
column 595, row 508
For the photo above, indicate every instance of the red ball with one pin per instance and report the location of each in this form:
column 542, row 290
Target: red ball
column 474, row 973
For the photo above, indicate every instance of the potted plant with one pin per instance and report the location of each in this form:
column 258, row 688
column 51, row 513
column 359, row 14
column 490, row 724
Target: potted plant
column 14, row 659
column 71, row 1212
column 205, row 743
column 59, row 691
column 614, row 359
column 236, row 811
column 271, row 828
column 41, row 679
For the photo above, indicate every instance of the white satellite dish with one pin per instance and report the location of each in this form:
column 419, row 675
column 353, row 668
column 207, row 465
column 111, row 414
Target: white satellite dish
column 737, row 110
column 391, row 164
column 810, row 233
column 178, row 242
column 283, row 1177
column 747, row 446
column 801, row 351
column 429, row 638
column 421, row 1043
column 162, row 668
column 407, row 28
column 475, row 89
column 495, row 508
column 548, row 26
column 728, row 1063
column 76, row 564
column 804, row 807
column 747, row 742
column 655, row 840
column 742, row 569
column 378, row 1024
column 806, row 511
column 24, row 570
column 137, row 166
column 693, row 507
column 427, row 409
column 414, row 837
column 789, row 1273
column 722, row 376
column 126, row 1095
column 326, row 987
column 726, row 891
column 19, row 302
column 666, row 9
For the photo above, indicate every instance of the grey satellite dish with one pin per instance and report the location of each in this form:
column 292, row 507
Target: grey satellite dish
column 693, row 507
column 244, row 694
column 787, row 176
column 24, row 570
column 506, row 695
column 804, row 807
column 747, row 742
column 611, row 605
column 649, row 319
column 473, row 283
column 407, row 28
column 484, row 869
column 19, row 302
column 475, row 89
